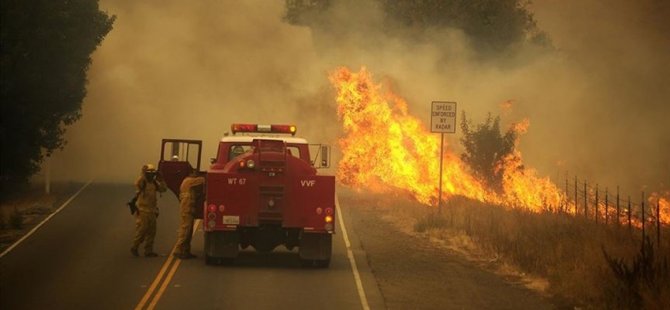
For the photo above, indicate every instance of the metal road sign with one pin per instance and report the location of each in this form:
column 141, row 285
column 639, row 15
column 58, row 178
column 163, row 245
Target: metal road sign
column 443, row 117
column 442, row 120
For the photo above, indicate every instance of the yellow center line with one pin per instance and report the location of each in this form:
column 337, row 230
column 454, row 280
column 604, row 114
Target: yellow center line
column 158, row 295
column 160, row 275
column 154, row 284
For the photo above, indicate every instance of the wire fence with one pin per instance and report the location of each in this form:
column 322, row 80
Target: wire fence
column 608, row 207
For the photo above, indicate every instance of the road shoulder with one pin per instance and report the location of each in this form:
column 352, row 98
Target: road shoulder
column 412, row 272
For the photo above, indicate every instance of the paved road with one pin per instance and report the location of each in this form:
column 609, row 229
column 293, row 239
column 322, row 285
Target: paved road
column 80, row 260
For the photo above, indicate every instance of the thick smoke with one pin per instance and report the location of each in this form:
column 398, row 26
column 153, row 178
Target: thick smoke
column 596, row 105
column 175, row 69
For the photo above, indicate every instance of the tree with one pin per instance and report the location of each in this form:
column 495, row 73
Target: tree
column 305, row 12
column 45, row 50
column 485, row 148
column 492, row 26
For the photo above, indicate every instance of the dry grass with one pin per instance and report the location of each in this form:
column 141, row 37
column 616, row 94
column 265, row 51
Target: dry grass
column 24, row 210
column 569, row 252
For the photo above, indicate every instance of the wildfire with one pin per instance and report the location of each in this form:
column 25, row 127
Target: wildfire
column 386, row 148
column 663, row 200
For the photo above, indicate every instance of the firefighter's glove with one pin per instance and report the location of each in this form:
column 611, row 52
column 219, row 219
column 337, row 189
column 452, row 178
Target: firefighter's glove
column 132, row 204
column 133, row 207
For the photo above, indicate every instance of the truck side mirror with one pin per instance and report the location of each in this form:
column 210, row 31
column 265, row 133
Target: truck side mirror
column 325, row 154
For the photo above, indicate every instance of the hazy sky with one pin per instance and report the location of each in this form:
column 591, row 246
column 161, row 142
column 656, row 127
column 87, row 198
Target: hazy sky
column 597, row 106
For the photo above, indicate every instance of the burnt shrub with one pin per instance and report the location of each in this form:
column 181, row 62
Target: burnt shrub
column 644, row 283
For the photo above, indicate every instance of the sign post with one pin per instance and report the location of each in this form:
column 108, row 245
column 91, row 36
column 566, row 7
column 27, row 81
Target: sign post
column 442, row 120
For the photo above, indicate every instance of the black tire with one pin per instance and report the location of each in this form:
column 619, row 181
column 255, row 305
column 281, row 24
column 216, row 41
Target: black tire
column 322, row 263
column 227, row 261
column 315, row 263
column 211, row 260
column 306, row 263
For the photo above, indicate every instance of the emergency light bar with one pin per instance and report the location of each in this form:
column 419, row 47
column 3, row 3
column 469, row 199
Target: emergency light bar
column 235, row 128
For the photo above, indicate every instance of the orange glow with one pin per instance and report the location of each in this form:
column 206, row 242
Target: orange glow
column 506, row 106
column 384, row 148
column 663, row 200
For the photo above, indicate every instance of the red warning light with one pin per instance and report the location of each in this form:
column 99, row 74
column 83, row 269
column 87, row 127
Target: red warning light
column 290, row 129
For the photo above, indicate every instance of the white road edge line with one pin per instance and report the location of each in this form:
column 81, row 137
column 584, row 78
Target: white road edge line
column 46, row 219
column 352, row 260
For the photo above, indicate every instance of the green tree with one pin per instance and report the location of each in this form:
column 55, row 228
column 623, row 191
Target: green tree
column 45, row 50
column 485, row 148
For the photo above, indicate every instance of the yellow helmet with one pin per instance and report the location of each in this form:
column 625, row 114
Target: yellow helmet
column 149, row 168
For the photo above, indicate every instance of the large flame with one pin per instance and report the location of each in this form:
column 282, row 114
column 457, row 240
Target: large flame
column 386, row 148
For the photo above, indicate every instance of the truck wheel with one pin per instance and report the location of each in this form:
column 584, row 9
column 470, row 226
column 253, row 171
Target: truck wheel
column 306, row 263
column 322, row 263
column 318, row 263
column 211, row 260
column 227, row 261
column 316, row 248
column 221, row 245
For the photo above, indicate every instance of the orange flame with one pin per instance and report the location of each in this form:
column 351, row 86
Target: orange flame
column 663, row 201
column 386, row 148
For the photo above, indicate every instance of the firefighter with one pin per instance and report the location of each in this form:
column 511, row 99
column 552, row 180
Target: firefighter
column 236, row 151
column 190, row 192
column 148, row 184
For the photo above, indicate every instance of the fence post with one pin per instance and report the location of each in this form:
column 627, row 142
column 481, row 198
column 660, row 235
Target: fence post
column 567, row 194
column 629, row 224
column 596, row 208
column 586, row 206
column 643, row 220
column 606, row 201
column 658, row 223
column 617, row 206
column 576, row 212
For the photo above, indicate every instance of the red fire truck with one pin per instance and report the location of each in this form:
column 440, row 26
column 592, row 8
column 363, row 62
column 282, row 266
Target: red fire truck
column 262, row 190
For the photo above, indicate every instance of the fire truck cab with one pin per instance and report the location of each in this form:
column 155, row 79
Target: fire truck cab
column 262, row 190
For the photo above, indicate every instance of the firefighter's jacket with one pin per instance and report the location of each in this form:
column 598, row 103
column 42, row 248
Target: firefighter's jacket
column 146, row 199
column 190, row 192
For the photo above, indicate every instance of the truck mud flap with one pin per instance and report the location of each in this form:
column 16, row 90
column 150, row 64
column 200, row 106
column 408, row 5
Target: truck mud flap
column 220, row 244
column 316, row 246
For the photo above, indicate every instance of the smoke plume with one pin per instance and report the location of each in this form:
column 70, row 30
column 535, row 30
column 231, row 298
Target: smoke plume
column 597, row 103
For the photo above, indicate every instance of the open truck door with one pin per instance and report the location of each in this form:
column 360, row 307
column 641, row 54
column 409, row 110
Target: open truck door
column 178, row 158
column 320, row 154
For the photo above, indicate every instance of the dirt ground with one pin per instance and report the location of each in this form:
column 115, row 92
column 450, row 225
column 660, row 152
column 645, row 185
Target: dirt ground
column 418, row 271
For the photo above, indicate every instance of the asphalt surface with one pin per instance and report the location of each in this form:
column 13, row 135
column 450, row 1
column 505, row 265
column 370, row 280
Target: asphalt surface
column 80, row 259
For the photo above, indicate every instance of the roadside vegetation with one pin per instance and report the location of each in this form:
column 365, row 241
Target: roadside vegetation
column 485, row 148
column 19, row 214
column 586, row 264
column 574, row 262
